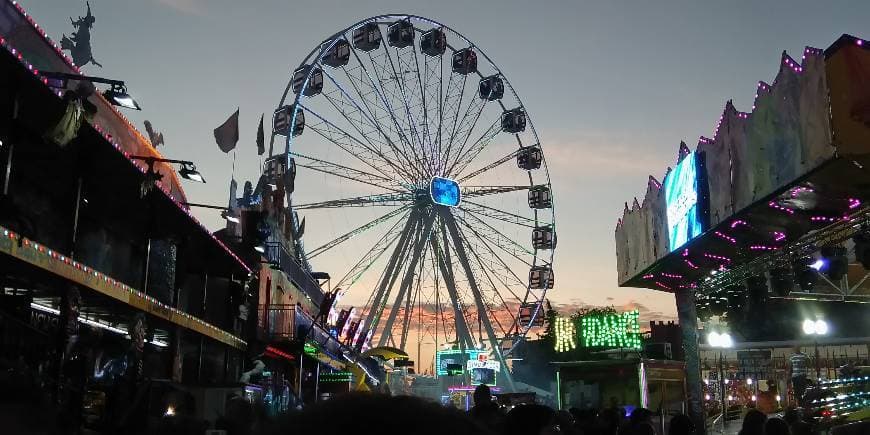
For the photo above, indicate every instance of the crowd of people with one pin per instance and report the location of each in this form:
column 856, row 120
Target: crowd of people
column 382, row 413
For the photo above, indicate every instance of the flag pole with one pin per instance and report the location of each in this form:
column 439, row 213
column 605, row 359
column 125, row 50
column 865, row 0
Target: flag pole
column 233, row 173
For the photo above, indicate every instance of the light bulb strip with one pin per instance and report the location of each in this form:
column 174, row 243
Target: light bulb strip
column 48, row 259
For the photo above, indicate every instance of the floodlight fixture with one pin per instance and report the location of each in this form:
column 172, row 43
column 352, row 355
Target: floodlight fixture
column 118, row 96
column 188, row 171
column 821, row 327
column 722, row 340
column 229, row 217
column 815, row 327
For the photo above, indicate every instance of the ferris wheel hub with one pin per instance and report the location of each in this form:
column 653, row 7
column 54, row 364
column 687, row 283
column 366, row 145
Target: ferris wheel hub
column 444, row 191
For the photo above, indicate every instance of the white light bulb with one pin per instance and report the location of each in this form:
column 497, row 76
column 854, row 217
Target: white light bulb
column 809, row 327
column 821, row 327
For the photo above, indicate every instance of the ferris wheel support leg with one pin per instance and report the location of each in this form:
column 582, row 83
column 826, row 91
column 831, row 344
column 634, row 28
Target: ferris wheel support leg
column 447, row 217
column 391, row 272
column 462, row 333
column 409, row 276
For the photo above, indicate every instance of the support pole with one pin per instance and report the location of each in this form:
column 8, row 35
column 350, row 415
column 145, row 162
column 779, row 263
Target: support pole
column 688, row 319
column 390, row 274
column 8, row 174
column 75, row 228
column 11, row 146
column 462, row 333
column 147, row 265
column 201, row 338
column 409, row 276
column 447, row 217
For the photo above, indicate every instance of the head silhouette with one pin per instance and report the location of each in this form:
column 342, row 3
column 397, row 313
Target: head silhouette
column 482, row 394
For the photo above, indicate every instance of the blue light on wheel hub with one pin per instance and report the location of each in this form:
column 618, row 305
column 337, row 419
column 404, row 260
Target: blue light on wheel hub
column 444, row 191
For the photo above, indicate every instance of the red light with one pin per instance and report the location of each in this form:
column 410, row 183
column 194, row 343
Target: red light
column 277, row 352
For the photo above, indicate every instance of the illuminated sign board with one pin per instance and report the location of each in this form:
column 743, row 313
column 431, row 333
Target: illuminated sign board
column 454, row 356
column 444, row 191
column 620, row 330
column 681, row 197
column 336, row 377
column 488, row 364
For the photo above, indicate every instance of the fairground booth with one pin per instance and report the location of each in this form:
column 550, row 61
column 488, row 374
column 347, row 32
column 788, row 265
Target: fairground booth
column 762, row 233
column 117, row 306
column 603, row 361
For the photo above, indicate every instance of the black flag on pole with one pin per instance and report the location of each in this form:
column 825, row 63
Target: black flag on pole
column 261, row 138
column 227, row 135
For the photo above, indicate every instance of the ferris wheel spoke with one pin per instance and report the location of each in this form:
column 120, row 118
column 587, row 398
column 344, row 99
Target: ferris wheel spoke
column 494, row 213
column 467, row 124
column 491, row 236
column 498, row 268
column 398, row 77
column 452, row 105
column 488, row 273
column 468, row 155
column 394, row 100
column 453, row 229
column 461, row 330
column 369, row 81
column 413, row 99
column 510, row 156
column 356, row 231
column 386, row 199
column 372, row 256
column 423, row 82
column 478, row 191
column 348, row 173
column 351, row 145
column 364, row 122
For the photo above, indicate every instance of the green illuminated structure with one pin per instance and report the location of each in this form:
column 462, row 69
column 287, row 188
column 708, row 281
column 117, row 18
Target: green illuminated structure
column 599, row 328
column 566, row 334
column 620, row 330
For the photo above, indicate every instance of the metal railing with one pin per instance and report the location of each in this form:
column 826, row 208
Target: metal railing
column 276, row 322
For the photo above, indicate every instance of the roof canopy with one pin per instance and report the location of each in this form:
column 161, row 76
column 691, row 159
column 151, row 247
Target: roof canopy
column 777, row 182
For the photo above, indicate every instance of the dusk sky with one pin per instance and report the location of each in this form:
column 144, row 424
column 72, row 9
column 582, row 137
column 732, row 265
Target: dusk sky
column 611, row 86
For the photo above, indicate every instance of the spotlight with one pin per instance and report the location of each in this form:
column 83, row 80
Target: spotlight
column 189, row 172
column 821, row 327
column 229, row 217
column 781, row 281
column 837, row 263
column 809, row 327
column 118, row 96
column 748, row 381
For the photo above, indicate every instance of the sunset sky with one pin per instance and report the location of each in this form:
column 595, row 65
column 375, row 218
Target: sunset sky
column 611, row 86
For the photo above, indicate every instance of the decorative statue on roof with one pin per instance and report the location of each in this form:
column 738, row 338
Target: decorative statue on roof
column 79, row 44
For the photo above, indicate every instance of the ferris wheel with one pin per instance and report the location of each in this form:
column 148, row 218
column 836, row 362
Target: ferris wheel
column 435, row 174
